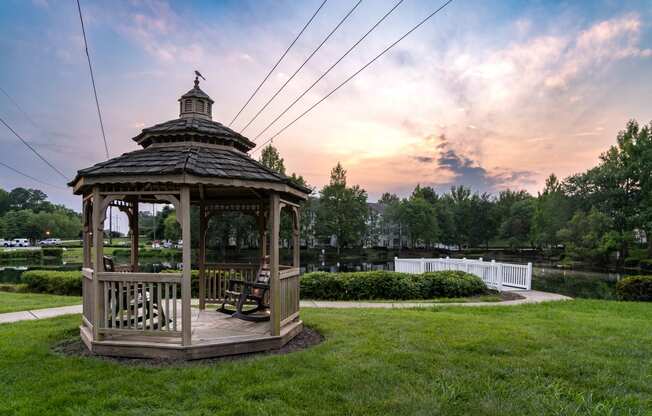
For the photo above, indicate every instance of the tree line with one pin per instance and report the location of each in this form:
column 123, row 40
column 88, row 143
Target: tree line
column 26, row 213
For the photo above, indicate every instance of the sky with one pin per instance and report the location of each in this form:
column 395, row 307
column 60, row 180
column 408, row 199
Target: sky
column 491, row 95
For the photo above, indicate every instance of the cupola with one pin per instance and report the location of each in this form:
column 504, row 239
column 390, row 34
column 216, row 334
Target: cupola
column 196, row 103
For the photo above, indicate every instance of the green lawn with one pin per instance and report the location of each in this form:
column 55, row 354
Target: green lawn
column 568, row 358
column 12, row 302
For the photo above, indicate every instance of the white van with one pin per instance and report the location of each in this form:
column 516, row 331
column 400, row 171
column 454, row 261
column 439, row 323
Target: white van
column 20, row 242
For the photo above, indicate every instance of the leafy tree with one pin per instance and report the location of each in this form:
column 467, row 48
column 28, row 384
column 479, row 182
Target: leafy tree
column 483, row 226
column 171, row 228
column 271, row 158
column 589, row 236
column 517, row 227
column 553, row 209
column 5, row 203
column 342, row 210
column 420, row 219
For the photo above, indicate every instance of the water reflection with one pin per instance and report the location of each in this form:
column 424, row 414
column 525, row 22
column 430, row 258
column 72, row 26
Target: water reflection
column 575, row 283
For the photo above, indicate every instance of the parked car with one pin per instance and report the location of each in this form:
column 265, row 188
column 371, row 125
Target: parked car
column 5, row 243
column 51, row 242
column 20, row 242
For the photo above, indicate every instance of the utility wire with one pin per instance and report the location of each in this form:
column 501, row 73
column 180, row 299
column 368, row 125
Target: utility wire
column 33, row 150
column 90, row 68
column 329, row 69
column 15, row 103
column 277, row 62
column 302, row 65
column 356, row 73
column 30, row 177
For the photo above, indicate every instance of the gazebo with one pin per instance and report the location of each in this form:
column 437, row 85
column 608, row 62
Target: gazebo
column 191, row 161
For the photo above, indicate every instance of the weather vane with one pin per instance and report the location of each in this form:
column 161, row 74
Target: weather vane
column 197, row 76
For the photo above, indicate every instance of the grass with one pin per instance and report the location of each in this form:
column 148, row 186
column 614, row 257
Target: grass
column 13, row 302
column 579, row 358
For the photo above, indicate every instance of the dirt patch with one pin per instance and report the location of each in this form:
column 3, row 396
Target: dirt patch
column 510, row 296
column 74, row 347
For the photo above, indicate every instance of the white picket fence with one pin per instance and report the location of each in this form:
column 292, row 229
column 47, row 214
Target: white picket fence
column 499, row 276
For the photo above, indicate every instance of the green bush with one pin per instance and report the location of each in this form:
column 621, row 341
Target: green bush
column 636, row 288
column 56, row 252
column 34, row 255
column 54, row 282
column 390, row 285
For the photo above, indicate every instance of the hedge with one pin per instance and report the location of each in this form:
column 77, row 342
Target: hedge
column 35, row 255
column 54, row 282
column 318, row 285
column 390, row 285
column 636, row 288
column 56, row 252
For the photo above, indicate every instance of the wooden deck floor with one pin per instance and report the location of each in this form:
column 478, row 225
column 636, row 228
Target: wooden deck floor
column 214, row 334
column 209, row 326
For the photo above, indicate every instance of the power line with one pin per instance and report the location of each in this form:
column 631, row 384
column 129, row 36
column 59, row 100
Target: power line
column 90, row 68
column 15, row 103
column 33, row 150
column 30, row 177
column 302, row 65
column 356, row 73
column 277, row 62
column 328, row 70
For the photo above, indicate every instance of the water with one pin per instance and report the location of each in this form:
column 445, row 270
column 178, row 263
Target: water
column 576, row 283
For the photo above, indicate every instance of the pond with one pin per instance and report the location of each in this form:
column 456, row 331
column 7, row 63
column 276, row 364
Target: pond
column 575, row 283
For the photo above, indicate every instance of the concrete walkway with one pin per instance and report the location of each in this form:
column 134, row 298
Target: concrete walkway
column 530, row 296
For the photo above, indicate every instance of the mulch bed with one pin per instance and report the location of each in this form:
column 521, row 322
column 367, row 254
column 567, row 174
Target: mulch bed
column 510, row 296
column 74, row 347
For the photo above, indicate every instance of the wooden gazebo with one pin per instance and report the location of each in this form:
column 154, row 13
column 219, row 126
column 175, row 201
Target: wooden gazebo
column 191, row 161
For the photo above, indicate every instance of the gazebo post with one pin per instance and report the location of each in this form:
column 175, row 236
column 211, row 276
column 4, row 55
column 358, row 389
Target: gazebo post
column 295, row 237
column 98, row 261
column 275, row 283
column 202, row 255
column 133, row 225
column 87, row 232
column 262, row 231
column 187, row 264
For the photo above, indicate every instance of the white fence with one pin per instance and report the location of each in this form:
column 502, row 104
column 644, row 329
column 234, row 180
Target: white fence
column 495, row 275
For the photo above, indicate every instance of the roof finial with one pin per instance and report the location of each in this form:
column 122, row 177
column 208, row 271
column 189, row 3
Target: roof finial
column 197, row 76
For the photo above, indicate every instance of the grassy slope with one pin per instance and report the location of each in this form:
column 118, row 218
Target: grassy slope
column 581, row 357
column 12, row 302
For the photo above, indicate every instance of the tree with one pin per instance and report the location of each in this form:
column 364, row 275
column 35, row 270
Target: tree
column 420, row 219
column 393, row 216
column 517, row 227
column 271, row 158
column 171, row 228
column 5, row 203
column 589, row 236
column 483, row 223
column 553, row 209
column 342, row 210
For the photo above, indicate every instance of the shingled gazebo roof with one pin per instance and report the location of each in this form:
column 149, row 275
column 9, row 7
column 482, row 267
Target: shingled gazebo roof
column 190, row 149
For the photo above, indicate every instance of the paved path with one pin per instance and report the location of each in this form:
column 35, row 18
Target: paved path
column 530, row 296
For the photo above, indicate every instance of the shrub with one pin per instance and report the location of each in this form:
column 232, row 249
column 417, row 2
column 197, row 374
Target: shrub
column 55, row 282
column 389, row 285
column 34, row 255
column 637, row 288
column 56, row 252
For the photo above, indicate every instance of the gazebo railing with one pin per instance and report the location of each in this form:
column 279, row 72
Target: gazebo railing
column 217, row 276
column 289, row 293
column 141, row 303
column 87, row 297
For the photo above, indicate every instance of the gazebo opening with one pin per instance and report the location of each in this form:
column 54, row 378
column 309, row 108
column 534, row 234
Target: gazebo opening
column 219, row 308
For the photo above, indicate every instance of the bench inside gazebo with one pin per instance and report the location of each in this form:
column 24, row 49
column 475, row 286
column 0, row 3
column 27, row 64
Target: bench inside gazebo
column 201, row 167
